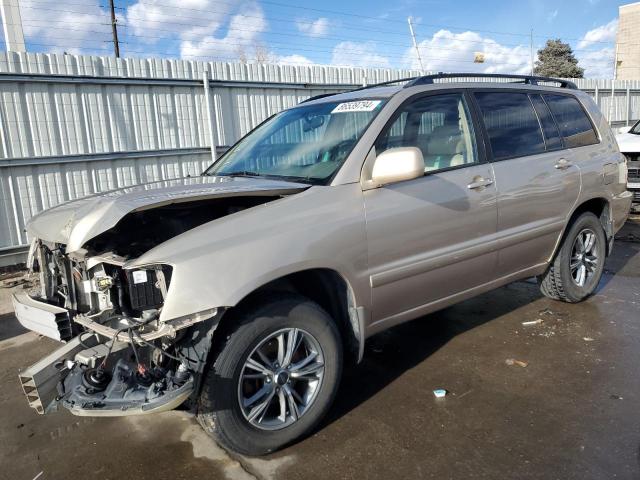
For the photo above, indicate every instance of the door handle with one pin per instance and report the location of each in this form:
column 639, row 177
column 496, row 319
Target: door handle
column 562, row 164
column 480, row 183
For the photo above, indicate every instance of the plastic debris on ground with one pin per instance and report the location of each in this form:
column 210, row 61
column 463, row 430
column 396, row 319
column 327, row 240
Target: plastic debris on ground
column 533, row 322
column 513, row 361
column 440, row 392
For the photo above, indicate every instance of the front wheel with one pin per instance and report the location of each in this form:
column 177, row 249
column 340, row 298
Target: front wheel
column 275, row 377
column 577, row 267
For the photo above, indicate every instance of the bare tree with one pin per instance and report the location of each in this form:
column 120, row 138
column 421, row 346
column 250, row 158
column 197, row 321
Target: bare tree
column 242, row 55
column 262, row 54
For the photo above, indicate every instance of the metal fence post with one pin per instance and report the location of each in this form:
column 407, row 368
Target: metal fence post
column 613, row 95
column 210, row 113
column 628, row 106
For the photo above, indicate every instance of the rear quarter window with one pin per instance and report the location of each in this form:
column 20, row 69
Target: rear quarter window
column 574, row 124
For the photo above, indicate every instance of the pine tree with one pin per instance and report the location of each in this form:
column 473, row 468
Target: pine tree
column 556, row 59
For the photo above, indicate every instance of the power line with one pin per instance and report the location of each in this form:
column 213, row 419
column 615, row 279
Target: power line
column 450, row 61
column 434, row 40
column 343, row 51
column 173, row 15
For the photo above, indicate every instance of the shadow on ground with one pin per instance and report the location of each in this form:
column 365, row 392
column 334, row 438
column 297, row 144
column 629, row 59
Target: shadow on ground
column 9, row 327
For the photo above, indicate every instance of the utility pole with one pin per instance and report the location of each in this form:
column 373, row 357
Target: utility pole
column 613, row 84
column 12, row 24
column 415, row 45
column 114, row 29
column 531, row 48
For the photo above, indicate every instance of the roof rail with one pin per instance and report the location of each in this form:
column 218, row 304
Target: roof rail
column 388, row 82
column 317, row 97
column 373, row 85
column 526, row 79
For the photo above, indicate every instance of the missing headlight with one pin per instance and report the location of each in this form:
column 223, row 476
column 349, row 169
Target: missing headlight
column 148, row 287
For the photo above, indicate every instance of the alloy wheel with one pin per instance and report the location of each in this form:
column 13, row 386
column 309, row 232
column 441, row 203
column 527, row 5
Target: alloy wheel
column 281, row 379
column 584, row 257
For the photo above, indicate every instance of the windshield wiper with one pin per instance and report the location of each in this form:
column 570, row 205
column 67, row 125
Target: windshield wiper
column 244, row 173
column 285, row 178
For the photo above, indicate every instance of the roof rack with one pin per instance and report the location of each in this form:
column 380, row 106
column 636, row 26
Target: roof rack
column 382, row 84
column 429, row 80
column 317, row 97
column 373, row 85
column 526, row 79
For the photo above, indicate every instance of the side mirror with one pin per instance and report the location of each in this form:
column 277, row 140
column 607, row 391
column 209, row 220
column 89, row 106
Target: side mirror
column 396, row 165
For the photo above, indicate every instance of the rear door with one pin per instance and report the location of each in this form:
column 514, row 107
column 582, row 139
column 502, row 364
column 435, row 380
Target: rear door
column 431, row 237
column 537, row 180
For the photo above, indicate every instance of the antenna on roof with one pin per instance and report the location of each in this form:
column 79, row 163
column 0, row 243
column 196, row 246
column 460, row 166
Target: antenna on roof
column 415, row 45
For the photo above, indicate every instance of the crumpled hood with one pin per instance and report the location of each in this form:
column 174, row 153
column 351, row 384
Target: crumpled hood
column 628, row 142
column 75, row 222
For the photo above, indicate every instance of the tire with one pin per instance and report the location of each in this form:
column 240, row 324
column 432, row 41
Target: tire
column 559, row 282
column 227, row 381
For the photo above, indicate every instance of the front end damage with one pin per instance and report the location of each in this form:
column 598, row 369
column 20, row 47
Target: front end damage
column 128, row 349
column 119, row 358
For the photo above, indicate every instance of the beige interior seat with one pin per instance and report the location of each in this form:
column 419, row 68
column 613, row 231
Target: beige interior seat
column 445, row 148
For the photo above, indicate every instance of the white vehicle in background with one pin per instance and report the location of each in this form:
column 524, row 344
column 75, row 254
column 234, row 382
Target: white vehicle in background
column 629, row 142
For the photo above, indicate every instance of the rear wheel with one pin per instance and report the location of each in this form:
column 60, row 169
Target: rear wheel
column 275, row 377
column 577, row 267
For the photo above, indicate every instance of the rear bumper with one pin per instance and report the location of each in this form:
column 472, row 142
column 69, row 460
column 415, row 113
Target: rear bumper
column 634, row 189
column 43, row 318
column 620, row 207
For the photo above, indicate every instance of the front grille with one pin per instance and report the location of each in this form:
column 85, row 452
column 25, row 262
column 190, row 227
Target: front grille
column 633, row 175
column 636, row 196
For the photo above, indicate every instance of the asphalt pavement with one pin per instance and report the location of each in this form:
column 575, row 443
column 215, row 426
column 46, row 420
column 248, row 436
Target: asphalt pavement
column 555, row 398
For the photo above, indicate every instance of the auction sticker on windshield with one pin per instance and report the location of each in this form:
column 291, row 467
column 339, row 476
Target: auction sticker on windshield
column 359, row 106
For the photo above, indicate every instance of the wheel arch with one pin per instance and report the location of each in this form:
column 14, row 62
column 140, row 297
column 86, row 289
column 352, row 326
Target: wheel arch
column 600, row 207
column 324, row 286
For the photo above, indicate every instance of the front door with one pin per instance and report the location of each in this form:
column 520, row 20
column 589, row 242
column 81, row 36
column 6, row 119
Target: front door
column 431, row 237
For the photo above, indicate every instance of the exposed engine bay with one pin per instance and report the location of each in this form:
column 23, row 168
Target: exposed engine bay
column 119, row 357
column 140, row 231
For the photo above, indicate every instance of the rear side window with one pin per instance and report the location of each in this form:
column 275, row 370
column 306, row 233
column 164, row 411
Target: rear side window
column 511, row 123
column 549, row 128
column 575, row 126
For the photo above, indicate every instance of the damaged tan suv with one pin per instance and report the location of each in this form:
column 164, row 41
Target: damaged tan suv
column 241, row 293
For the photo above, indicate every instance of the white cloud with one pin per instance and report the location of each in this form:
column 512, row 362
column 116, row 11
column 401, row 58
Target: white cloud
column 155, row 19
column 294, row 60
column 552, row 16
column 596, row 50
column 358, row 55
column 56, row 30
column 597, row 63
column 316, row 28
column 447, row 51
column 603, row 33
column 242, row 39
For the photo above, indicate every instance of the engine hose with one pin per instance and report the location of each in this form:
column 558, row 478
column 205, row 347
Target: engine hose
column 122, row 300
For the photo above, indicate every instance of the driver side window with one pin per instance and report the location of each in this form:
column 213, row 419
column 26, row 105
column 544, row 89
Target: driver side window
column 440, row 126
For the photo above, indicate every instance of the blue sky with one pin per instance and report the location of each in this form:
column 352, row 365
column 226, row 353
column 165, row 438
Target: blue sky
column 371, row 33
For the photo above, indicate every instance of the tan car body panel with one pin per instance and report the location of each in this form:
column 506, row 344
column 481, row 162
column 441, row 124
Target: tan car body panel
column 404, row 249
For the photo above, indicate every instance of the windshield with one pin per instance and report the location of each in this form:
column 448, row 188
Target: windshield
column 304, row 144
column 635, row 129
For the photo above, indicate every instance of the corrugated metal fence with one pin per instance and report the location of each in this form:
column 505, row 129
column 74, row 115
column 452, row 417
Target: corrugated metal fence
column 75, row 125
